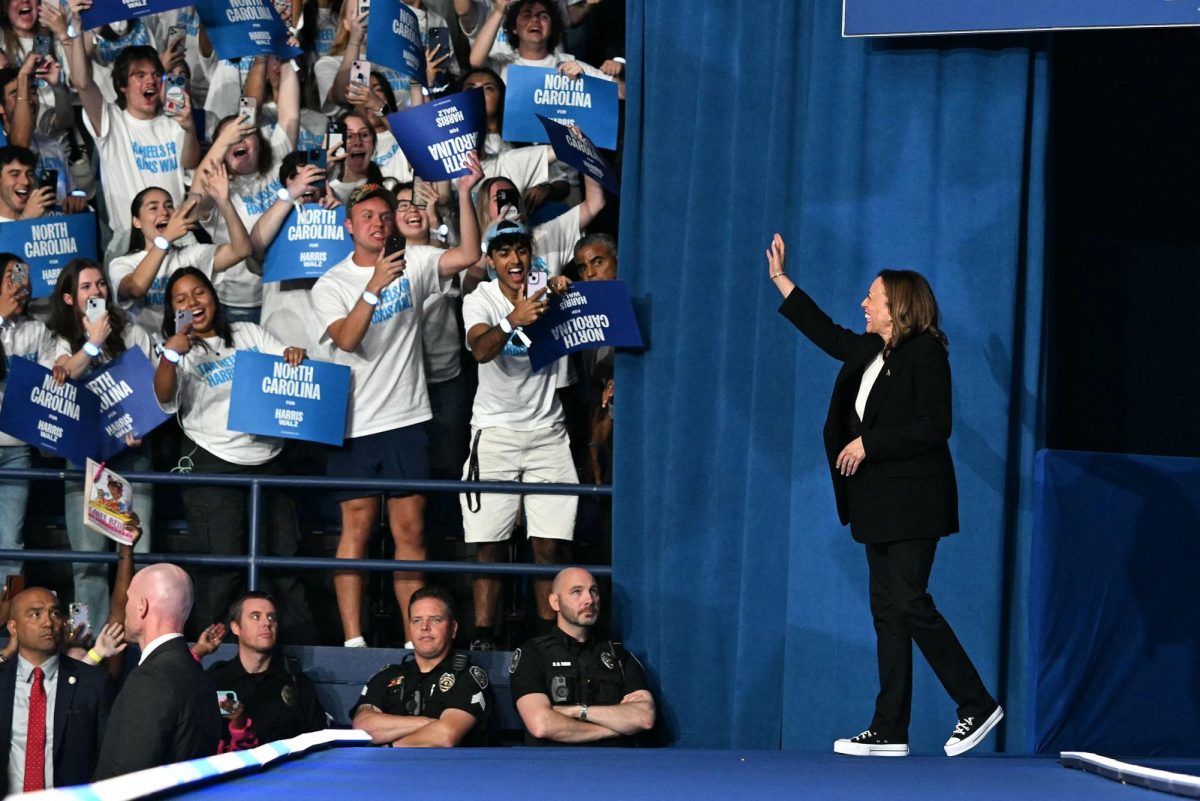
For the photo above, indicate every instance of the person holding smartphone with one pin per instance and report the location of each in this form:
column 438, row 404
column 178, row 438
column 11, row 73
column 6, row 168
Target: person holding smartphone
column 20, row 196
column 90, row 331
column 154, row 253
column 194, row 377
column 20, row 338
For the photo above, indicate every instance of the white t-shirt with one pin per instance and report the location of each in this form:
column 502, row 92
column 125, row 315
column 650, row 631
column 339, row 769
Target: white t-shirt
column 391, row 159
column 503, row 54
column 135, row 154
column 387, row 373
column 205, row 385
column 148, row 311
column 440, row 337
column 554, row 240
column 251, row 195
column 288, row 313
column 510, row 394
column 524, row 166
column 24, row 338
column 133, row 336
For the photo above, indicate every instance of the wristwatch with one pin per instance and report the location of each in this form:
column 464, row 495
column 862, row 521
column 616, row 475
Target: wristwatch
column 583, row 710
column 370, row 298
column 162, row 243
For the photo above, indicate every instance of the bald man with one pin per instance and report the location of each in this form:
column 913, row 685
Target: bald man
column 75, row 698
column 167, row 711
column 572, row 688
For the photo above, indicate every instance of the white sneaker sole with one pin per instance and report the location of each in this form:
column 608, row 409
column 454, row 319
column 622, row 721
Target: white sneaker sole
column 863, row 749
column 964, row 745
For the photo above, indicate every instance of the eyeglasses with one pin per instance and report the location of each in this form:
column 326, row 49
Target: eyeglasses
column 405, row 205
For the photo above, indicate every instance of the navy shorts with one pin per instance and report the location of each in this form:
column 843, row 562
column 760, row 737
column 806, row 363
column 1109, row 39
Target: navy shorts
column 401, row 453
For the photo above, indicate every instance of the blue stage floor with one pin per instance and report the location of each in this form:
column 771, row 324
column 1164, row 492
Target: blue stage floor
column 521, row 774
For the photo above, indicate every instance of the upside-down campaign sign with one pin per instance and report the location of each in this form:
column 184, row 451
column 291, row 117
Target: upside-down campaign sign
column 81, row 419
column 274, row 399
column 47, row 244
column 437, row 137
column 590, row 104
column 574, row 148
column 591, row 314
column 394, row 39
column 312, row 240
column 239, row 28
column 103, row 12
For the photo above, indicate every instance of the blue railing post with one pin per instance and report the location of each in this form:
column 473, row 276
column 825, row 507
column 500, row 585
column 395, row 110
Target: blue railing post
column 255, row 535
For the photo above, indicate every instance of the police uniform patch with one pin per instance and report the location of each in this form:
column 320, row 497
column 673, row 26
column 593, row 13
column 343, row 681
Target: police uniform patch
column 446, row 682
column 396, row 682
column 608, row 660
column 288, row 694
column 516, row 658
column 480, row 675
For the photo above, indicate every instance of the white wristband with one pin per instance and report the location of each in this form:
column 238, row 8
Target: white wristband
column 91, row 350
column 162, row 243
column 505, row 325
column 171, row 355
column 370, row 298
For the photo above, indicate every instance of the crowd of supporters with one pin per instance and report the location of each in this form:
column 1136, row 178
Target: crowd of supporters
column 143, row 124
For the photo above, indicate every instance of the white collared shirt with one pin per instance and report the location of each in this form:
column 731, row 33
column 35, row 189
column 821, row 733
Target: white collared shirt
column 157, row 641
column 20, row 720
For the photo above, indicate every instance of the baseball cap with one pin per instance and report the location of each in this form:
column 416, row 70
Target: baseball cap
column 502, row 228
column 366, row 192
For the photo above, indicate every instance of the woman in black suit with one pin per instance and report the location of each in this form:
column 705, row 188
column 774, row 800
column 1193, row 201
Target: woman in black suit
column 886, row 439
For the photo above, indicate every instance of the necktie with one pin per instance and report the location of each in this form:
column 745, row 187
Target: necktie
column 35, row 738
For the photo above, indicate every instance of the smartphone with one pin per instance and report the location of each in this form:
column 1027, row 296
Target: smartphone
column 20, row 274
column 335, row 135
column 174, row 99
column 364, row 6
column 318, row 158
column 418, row 196
column 95, row 308
column 41, row 45
column 507, row 197
column 176, row 37
column 77, row 615
column 48, row 179
column 360, row 72
column 226, row 695
column 183, row 317
column 535, row 283
column 248, row 108
column 394, row 244
column 438, row 36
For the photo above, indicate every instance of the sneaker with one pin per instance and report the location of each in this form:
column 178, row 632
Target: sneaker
column 970, row 731
column 482, row 645
column 869, row 744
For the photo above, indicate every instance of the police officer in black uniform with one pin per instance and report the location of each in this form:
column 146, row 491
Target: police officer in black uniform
column 573, row 689
column 435, row 697
column 274, row 700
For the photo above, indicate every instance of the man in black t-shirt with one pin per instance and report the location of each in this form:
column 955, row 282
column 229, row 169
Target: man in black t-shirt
column 274, row 700
column 571, row 688
column 435, row 697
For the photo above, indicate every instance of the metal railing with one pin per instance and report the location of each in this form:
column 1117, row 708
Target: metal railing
column 254, row 560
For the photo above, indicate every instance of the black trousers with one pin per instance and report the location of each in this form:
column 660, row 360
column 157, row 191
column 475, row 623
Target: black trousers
column 904, row 613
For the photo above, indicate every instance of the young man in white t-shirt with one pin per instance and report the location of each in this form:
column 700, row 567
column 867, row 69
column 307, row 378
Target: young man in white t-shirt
column 139, row 145
column 518, row 430
column 369, row 306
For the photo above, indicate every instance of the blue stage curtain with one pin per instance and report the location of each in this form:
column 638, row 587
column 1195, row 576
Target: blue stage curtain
column 733, row 578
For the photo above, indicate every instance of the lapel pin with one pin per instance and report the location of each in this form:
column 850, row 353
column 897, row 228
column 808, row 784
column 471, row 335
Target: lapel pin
column 71, row 680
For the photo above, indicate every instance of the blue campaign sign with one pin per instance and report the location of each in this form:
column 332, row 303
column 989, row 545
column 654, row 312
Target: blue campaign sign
column 47, row 244
column 103, row 12
column 591, row 314
column 580, row 153
column 394, row 39
column 128, row 405
column 311, row 241
column 60, row 418
column 239, row 28
column 274, row 399
column 436, row 137
column 588, row 103
column 888, row 17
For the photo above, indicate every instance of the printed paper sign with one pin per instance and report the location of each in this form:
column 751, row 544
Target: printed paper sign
column 239, row 28
column 394, row 39
column 591, row 314
column 579, row 152
column 47, row 244
column 588, row 103
column 128, row 404
column 274, row 399
column 311, row 241
column 109, row 505
column 437, row 137
column 104, row 12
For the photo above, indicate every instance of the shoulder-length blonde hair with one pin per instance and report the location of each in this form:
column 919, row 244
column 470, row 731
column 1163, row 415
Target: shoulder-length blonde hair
column 912, row 305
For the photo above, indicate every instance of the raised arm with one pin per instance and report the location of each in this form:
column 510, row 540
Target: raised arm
column 467, row 252
column 267, row 227
column 487, row 33
column 593, row 201
column 216, row 186
column 356, row 22
column 81, row 70
column 287, row 103
column 804, row 313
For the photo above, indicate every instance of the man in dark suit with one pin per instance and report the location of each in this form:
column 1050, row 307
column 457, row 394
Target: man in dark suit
column 167, row 710
column 77, row 693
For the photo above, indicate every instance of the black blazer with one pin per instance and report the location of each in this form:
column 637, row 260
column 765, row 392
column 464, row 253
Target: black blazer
column 905, row 488
column 81, row 704
column 166, row 712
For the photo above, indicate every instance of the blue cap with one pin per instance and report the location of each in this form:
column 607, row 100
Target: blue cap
column 502, row 228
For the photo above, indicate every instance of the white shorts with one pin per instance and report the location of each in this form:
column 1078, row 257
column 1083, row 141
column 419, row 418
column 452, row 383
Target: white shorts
column 534, row 457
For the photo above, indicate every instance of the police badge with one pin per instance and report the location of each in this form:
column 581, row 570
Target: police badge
column 480, row 675
column 446, row 682
column 288, row 694
column 516, row 657
column 607, row 659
